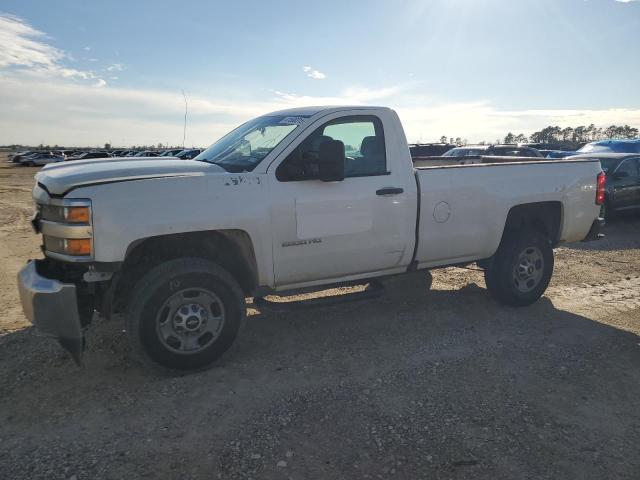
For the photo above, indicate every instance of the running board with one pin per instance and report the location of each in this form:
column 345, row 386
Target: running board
column 374, row 290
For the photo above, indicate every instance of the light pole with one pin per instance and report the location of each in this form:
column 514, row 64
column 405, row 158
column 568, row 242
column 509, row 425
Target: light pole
column 184, row 130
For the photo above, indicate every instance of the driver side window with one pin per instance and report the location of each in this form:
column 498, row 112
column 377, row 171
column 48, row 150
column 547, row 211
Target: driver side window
column 363, row 140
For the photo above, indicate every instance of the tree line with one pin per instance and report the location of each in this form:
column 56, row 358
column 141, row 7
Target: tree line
column 568, row 136
column 577, row 135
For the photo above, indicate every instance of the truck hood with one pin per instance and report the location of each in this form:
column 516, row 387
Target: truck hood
column 59, row 178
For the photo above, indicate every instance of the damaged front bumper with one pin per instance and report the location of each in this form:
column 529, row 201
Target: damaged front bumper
column 52, row 307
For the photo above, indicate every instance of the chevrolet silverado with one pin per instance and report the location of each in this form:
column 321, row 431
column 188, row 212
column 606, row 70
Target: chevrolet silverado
column 302, row 198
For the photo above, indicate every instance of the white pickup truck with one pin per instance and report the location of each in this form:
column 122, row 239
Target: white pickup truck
column 300, row 198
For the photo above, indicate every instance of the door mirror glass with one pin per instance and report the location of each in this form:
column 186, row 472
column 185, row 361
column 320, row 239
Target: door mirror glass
column 331, row 161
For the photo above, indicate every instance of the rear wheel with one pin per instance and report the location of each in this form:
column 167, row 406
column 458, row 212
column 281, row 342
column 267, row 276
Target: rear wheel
column 521, row 269
column 185, row 314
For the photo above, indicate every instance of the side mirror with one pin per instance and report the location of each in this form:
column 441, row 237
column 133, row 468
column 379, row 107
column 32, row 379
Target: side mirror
column 332, row 158
column 622, row 174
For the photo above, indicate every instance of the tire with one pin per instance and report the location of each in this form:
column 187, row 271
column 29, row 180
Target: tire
column 521, row 269
column 184, row 314
column 489, row 278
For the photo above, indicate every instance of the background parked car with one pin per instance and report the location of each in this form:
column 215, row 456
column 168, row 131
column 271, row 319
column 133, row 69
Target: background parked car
column 606, row 146
column 189, row 153
column 89, row 155
column 429, row 149
column 41, row 158
column 20, row 155
column 493, row 150
column 613, row 146
column 146, row 153
column 557, row 153
column 561, row 147
column 69, row 153
column 622, row 188
column 171, row 153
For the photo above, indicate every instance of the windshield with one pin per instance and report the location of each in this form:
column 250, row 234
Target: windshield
column 246, row 146
column 464, row 152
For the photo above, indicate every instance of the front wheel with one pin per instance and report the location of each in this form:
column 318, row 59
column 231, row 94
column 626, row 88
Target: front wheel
column 185, row 314
column 521, row 269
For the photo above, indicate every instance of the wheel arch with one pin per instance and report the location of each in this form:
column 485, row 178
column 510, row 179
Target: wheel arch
column 542, row 217
column 233, row 250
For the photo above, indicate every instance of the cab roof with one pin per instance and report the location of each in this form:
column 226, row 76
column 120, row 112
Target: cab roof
column 311, row 111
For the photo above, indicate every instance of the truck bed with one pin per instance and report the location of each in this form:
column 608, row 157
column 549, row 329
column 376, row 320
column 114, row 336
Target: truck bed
column 425, row 162
column 463, row 207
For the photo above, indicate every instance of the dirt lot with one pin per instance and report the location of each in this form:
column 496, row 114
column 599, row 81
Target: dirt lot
column 417, row 384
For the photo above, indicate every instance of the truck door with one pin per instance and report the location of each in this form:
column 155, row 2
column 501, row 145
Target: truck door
column 331, row 230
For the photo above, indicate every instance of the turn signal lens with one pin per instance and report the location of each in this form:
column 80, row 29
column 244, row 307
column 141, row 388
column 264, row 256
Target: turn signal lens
column 600, row 188
column 77, row 215
column 77, row 246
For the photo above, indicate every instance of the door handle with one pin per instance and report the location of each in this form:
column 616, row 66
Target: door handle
column 390, row 191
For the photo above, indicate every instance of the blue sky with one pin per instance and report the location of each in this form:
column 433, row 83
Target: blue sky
column 90, row 72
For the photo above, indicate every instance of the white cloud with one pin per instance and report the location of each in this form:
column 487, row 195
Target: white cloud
column 100, row 83
column 22, row 47
column 350, row 96
column 312, row 73
column 19, row 45
column 116, row 67
column 87, row 48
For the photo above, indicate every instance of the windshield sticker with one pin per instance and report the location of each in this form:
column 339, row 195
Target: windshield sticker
column 292, row 121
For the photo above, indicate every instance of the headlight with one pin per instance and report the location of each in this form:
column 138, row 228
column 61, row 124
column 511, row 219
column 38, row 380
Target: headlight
column 70, row 214
column 66, row 228
column 77, row 214
column 77, row 247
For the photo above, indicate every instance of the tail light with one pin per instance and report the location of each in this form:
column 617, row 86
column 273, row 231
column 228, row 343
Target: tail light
column 602, row 180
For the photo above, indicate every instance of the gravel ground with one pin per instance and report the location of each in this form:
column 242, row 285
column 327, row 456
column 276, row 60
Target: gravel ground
column 416, row 384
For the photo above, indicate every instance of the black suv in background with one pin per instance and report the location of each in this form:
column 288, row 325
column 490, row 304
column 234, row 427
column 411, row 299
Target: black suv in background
column 429, row 149
column 189, row 153
column 622, row 188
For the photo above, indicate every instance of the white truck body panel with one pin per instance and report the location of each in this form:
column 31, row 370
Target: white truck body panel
column 353, row 231
column 126, row 212
column 63, row 176
column 463, row 208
